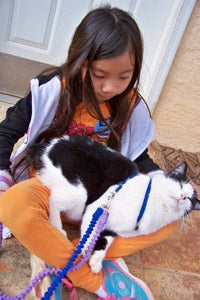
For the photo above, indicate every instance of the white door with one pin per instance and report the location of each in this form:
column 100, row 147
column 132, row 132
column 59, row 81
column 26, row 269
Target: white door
column 41, row 30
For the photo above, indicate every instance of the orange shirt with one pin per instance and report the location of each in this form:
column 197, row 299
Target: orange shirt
column 85, row 124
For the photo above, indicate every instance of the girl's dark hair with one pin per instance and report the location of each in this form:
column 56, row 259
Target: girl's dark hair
column 104, row 32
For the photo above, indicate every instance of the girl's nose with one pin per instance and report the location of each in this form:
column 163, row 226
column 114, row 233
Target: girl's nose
column 110, row 87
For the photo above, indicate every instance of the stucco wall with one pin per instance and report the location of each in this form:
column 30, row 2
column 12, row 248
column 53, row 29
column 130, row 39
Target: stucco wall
column 177, row 114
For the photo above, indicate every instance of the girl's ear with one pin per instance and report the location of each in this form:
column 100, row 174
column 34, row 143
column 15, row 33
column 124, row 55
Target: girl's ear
column 84, row 69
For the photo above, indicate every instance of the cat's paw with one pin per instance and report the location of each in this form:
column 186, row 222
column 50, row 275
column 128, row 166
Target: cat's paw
column 95, row 265
column 95, row 261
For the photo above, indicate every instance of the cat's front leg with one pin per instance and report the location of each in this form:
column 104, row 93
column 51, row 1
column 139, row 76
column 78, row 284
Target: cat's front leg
column 55, row 217
column 99, row 252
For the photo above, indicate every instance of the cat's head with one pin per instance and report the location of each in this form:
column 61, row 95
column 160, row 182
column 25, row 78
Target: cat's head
column 185, row 189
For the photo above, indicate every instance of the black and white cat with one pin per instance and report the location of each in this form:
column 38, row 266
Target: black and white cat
column 82, row 175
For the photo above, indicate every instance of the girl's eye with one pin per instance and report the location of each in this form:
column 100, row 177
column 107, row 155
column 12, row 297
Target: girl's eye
column 99, row 76
column 124, row 78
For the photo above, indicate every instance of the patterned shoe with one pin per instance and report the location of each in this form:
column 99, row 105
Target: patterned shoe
column 68, row 285
column 120, row 284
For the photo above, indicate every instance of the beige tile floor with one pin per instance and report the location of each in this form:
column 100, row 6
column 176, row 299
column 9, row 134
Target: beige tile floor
column 171, row 269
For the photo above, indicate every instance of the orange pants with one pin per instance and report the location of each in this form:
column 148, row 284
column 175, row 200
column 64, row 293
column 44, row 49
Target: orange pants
column 24, row 210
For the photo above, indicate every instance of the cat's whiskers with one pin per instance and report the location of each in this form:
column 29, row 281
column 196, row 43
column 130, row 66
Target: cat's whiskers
column 185, row 221
column 182, row 223
column 188, row 218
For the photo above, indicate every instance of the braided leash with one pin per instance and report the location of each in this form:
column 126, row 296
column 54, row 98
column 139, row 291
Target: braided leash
column 1, row 234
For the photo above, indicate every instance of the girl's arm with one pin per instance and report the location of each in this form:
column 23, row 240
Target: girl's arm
column 12, row 128
column 145, row 163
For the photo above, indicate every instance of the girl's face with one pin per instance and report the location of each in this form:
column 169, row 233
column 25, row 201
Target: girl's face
column 111, row 76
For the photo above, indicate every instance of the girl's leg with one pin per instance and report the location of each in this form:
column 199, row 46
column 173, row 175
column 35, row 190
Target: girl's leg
column 24, row 210
column 125, row 246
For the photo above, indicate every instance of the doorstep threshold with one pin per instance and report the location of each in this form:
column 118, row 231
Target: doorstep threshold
column 8, row 98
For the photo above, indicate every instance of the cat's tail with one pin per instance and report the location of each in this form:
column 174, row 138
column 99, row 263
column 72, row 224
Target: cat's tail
column 34, row 156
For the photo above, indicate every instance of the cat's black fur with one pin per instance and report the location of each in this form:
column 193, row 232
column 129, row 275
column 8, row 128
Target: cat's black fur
column 80, row 158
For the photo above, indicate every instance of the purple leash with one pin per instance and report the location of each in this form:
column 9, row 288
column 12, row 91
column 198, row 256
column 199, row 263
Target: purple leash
column 1, row 234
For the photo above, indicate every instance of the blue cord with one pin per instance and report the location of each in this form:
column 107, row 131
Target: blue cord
column 80, row 246
column 144, row 204
column 123, row 182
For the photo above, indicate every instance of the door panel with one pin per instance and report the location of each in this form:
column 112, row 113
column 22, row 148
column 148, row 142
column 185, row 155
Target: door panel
column 28, row 30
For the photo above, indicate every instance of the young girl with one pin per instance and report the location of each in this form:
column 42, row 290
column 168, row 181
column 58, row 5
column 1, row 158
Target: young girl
column 94, row 93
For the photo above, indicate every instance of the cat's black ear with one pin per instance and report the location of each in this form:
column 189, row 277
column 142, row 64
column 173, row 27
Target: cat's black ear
column 195, row 203
column 179, row 170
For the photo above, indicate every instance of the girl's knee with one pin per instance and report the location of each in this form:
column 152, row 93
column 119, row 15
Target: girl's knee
column 8, row 202
column 18, row 206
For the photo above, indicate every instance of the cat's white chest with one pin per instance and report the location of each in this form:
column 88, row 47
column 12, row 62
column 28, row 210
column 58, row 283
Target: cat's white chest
column 70, row 200
column 65, row 196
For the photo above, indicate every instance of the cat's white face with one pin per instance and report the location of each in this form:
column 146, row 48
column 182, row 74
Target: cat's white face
column 174, row 196
column 180, row 191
